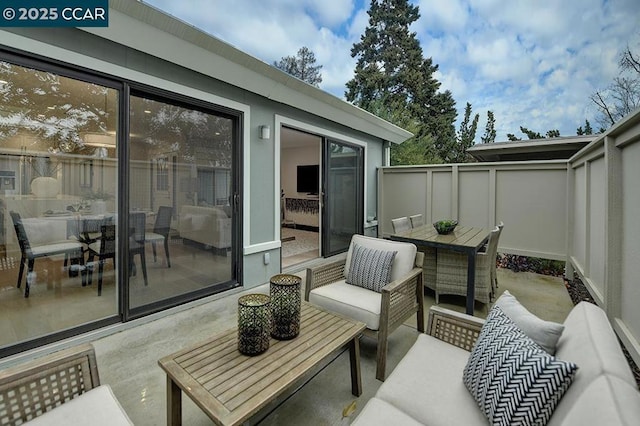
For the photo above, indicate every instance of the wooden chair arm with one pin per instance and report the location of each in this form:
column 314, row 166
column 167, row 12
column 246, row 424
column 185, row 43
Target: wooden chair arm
column 401, row 299
column 453, row 327
column 324, row 274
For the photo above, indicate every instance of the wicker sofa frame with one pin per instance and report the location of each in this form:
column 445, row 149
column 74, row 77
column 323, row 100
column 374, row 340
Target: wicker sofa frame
column 38, row 386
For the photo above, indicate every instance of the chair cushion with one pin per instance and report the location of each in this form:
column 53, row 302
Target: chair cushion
column 370, row 268
column 544, row 333
column 403, row 262
column 349, row 300
column 62, row 247
column 97, row 407
column 152, row 236
column 513, row 380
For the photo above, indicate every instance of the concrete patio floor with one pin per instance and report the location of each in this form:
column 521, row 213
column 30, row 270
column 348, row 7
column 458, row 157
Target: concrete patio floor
column 128, row 360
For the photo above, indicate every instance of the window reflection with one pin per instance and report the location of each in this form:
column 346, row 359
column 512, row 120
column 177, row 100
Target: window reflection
column 181, row 180
column 58, row 176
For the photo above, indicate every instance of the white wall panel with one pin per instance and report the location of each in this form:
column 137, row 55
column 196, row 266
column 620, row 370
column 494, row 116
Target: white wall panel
column 474, row 198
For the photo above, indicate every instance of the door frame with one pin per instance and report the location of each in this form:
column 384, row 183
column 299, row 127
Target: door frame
column 280, row 121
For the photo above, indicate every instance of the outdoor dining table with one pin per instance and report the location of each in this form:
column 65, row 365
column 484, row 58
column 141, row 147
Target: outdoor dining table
column 464, row 239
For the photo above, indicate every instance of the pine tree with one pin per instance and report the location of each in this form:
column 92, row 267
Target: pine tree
column 302, row 66
column 466, row 134
column 490, row 129
column 391, row 74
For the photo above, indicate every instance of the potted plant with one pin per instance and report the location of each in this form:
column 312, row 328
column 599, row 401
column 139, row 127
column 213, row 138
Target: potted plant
column 98, row 200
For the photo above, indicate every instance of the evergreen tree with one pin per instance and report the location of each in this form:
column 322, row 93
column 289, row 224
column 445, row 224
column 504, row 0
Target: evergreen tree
column 391, row 74
column 587, row 129
column 466, row 134
column 490, row 129
column 302, row 66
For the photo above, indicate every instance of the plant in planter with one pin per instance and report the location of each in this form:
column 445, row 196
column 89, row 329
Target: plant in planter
column 445, row 226
column 97, row 200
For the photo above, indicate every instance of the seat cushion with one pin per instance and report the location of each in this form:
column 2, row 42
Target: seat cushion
column 513, row 379
column 379, row 412
column 370, row 268
column 96, row 407
column 608, row 400
column 427, row 385
column 349, row 300
column 544, row 333
column 403, row 262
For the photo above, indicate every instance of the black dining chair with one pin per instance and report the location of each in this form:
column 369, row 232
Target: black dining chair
column 29, row 252
column 104, row 248
column 137, row 223
column 161, row 232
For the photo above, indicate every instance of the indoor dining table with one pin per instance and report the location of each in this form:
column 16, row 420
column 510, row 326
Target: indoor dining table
column 464, row 239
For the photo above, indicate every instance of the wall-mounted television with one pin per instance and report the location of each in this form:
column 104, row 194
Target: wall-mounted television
column 308, row 179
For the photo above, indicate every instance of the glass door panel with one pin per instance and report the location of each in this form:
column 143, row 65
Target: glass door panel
column 343, row 183
column 58, row 187
column 180, row 215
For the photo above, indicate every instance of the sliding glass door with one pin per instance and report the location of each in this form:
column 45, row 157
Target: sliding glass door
column 181, row 218
column 343, row 195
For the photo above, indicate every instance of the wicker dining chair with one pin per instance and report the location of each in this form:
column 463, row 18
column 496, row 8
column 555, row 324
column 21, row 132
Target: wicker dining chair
column 451, row 274
column 416, row 220
column 494, row 276
column 400, row 224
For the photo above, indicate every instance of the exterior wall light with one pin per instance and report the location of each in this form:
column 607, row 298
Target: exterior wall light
column 265, row 132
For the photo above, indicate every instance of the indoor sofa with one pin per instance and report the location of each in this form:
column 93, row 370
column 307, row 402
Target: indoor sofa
column 427, row 387
column 209, row 226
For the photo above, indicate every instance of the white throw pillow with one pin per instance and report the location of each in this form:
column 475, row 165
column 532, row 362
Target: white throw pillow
column 544, row 333
column 511, row 378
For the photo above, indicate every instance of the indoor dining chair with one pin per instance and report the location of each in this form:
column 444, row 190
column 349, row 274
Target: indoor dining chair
column 104, row 248
column 161, row 232
column 30, row 251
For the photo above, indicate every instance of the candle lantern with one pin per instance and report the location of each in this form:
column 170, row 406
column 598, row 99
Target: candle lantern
column 285, row 306
column 254, row 324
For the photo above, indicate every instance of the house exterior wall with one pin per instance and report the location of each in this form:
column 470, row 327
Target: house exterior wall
column 260, row 161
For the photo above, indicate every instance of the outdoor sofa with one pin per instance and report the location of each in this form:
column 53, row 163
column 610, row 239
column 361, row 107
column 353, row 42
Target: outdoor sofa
column 62, row 388
column 427, row 387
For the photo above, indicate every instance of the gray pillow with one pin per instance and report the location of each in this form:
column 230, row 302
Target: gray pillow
column 544, row 333
column 370, row 268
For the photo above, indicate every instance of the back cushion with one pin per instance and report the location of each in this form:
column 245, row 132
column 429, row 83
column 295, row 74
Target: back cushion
column 589, row 341
column 403, row 262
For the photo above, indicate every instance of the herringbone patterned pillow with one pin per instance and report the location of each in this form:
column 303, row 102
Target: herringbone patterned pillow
column 514, row 381
column 370, row 268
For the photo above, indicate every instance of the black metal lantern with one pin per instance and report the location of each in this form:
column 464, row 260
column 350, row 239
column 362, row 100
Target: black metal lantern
column 254, row 324
column 285, row 306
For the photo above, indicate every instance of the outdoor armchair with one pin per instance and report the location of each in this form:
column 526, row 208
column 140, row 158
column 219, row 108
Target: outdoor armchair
column 382, row 311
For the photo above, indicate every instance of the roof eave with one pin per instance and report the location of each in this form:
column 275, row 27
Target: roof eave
column 173, row 40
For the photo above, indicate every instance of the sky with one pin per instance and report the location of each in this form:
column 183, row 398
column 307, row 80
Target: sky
column 534, row 63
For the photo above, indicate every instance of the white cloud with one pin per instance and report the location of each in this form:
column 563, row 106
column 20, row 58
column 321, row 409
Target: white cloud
column 532, row 63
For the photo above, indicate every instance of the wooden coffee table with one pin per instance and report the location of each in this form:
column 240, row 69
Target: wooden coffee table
column 230, row 387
